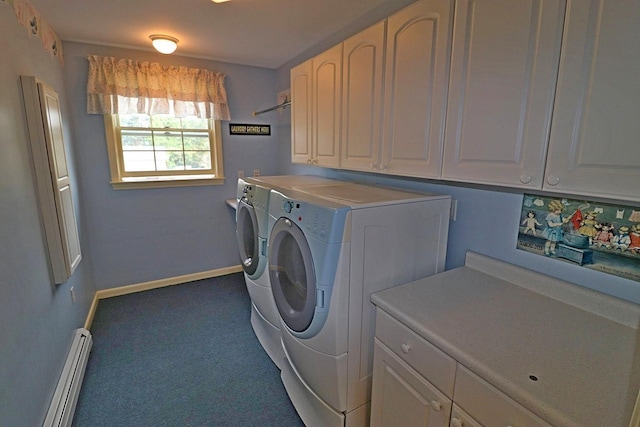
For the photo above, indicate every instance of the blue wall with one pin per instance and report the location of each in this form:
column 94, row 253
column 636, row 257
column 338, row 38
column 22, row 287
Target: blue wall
column 37, row 318
column 152, row 234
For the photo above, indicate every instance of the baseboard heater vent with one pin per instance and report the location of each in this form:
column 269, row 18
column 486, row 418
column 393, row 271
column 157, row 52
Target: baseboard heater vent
column 63, row 404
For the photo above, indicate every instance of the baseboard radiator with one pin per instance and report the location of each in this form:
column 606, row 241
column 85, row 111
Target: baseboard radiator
column 63, row 404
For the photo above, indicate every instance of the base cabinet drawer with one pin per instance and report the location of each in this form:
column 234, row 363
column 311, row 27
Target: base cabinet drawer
column 402, row 397
column 488, row 405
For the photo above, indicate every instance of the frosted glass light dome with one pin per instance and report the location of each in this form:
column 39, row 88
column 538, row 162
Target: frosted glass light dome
column 164, row 44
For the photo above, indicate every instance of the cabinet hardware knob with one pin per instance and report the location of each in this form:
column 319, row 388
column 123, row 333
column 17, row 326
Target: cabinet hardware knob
column 525, row 178
column 373, row 166
column 553, row 180
column 405, row 348
column 455, row 422
column 436, row 405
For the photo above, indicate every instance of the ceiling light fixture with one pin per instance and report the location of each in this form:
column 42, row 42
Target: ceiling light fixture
column 219, row 1
column 164, row 44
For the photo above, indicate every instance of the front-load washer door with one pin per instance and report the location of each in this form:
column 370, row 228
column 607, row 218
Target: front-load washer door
column 292, row 275
column 247, row 236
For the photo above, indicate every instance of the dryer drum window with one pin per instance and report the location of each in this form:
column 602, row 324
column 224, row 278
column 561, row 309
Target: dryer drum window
column 247, row 236
column 292, row 275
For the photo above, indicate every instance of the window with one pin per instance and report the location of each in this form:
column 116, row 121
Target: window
column 163, row 150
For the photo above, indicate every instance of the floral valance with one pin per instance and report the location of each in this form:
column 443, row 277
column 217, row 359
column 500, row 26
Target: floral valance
column 29, row 17
column 121, row 86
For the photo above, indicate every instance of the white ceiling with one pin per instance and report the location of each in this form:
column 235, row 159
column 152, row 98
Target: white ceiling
column 263, row 33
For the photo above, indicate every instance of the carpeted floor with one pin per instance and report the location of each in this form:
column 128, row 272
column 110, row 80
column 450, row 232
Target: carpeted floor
column 181, row 356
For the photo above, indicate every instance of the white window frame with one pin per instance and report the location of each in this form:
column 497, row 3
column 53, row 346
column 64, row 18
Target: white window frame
column 122, row 180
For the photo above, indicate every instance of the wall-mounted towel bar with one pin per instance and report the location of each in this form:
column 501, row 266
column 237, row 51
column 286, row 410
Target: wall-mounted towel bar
column 285, row 104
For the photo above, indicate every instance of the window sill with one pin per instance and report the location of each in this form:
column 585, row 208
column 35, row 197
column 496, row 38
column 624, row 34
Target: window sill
column 165, row 182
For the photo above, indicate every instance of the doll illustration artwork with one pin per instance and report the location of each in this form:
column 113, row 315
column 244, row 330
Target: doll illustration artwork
column 634, row 236
column 604, row 236
column 530, row 223
column 588, row 226
column 554, row 223
column 621, row 241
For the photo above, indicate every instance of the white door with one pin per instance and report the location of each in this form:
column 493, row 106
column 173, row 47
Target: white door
column 326, row 110
column 44, row 119
column 416, row 79
column 363, row 67
column 301, row 113
column 503, row 75
column 401, row 397
column 594, row 148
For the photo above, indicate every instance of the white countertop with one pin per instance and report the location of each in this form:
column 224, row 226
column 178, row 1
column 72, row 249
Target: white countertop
column 587, row 364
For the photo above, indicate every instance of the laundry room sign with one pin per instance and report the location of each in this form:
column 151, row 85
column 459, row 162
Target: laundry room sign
column 247, row 129
column 598, row 236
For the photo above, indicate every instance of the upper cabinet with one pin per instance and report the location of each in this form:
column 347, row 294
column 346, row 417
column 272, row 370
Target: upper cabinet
column 415, row 98
column 533, row 94
column 362, row 76
column 503, row 75
column 594, row 148
column 316, row 94
column 301, row 113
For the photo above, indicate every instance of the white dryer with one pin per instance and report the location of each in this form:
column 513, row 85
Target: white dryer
column 252, row 234
column 331, row 247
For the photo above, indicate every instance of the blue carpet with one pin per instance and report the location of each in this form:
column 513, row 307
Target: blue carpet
column 181, row 356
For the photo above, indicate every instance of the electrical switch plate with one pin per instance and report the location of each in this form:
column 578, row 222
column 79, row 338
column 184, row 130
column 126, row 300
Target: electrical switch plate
column 240, row 174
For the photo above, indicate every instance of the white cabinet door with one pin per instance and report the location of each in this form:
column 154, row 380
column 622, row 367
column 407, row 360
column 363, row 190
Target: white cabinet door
column 416, row 80
column 363, row 69
column 44, row 120
column 401, row 397
column 301, row 81
column 503, row 75
column 459, row 418
column 327, row 107
column 594, row 148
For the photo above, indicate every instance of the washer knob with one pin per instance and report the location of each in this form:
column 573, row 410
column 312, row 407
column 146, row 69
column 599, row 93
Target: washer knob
column 287, row 206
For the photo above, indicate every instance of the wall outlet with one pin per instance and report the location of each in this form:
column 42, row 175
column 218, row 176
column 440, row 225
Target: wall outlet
column 240, row 174
column 256, row 172
column 73, row 294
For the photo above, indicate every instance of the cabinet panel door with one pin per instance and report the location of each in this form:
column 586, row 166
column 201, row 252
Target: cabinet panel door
column 301, row 113
column 401, row 397
column 327, row 103
column 594, row 147
column 503, row 74
column 45, row 124
column 416, row 79
column 363, row 65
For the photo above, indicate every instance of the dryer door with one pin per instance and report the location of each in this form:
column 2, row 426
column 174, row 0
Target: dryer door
column 292, row 275
column 247, row 236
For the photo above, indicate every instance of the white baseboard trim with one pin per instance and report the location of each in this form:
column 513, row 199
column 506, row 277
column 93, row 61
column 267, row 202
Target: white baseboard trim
column 155, row 284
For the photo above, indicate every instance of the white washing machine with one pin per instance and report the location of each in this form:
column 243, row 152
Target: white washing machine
column 331, row 247
column 252, row 234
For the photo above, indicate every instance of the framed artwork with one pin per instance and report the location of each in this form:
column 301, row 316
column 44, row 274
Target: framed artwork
column 594, row 235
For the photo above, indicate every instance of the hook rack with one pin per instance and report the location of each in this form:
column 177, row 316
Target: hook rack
column 285, row 104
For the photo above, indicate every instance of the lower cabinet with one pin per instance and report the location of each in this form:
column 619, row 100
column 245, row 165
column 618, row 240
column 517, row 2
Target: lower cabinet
column 417, row 384
column 402, row 397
